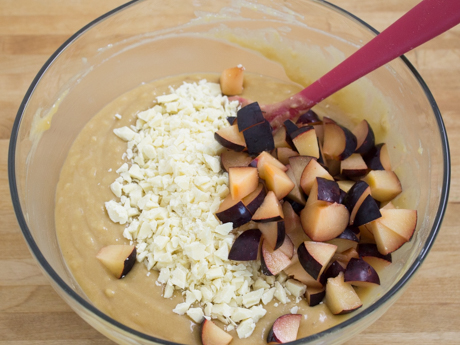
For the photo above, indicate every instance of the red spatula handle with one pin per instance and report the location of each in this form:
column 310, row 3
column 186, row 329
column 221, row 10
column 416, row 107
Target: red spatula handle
column 425, row 21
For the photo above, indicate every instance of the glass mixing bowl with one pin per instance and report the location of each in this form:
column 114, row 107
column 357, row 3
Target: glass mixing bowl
column 297, row 40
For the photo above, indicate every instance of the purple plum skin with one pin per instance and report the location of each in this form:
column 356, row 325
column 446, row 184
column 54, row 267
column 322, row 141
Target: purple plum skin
column 246, row 246
column 367, row 212
column 370, row 249
column 372, row 158
column 317, row 298
column 359, row 270
column 353, row 195
column 309, row 264
column 129, row 263
column 368, row 143
column 332, row 271
column 350, row 144
column 249, row 116
column 328, row 190
column 310, row 117
column 259, row 138
column 238, row 214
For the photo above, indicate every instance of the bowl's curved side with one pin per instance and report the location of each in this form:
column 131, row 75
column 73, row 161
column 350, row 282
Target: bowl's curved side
column 74, row 299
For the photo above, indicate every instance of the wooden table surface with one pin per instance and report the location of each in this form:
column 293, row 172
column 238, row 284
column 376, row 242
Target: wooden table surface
column 32, row 313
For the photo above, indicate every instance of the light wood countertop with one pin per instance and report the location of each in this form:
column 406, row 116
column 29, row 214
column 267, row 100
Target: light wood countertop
column 32, row 313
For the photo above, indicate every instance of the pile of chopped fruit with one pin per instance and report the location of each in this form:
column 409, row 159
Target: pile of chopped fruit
column 316, row 199
column 311, row 201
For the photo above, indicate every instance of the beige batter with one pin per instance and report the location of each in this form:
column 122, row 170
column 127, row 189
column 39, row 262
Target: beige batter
column 83, row 226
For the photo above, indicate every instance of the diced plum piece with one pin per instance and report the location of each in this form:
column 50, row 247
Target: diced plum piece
column 324, row 190
column 246, row 246
column 401, row 221
column 365, row 139
column 341, row 297
column 385, row 185
column 355, row 197
column 332, row 271
column 119, row 259
column 284, row 153
column 370, row 253
column 274, row 233
column 233, row 211
column 278, row 181
column 314, row 256
column 367, row 212
column 231, row 81
column 360, row 273
column 231, row 138
column 230, row 159
column 259, row 138
column 387, row 240
column 284, row 329
column 270, row 210
column 296, row 271
column 315, row 296
column 353, row 167
column 211, row 334
column 272, row 261
column 255, row 199
column 322, row 221
column 249, row 116
column 312, row 170
column 309, row 118
column 339, row 142
column 265, row 158
column 242, row 181
column 306, row 141
column 378, row 158
column 393, row 229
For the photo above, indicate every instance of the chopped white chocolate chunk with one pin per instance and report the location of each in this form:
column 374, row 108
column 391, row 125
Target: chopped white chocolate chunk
column 296, row 288
column 280, row 293
column 245, row 328
column 252, row 298
column 268, row 295
column 196, row 314
column 117, row 213
column 240, row 314
column 181, row 308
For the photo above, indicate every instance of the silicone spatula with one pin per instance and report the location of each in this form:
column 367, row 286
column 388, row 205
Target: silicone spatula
column 425, row 21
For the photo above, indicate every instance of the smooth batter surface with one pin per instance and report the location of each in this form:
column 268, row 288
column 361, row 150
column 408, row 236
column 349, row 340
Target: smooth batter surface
column 83, row 226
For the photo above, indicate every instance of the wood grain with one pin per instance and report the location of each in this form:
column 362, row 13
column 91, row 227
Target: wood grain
column 32, row 313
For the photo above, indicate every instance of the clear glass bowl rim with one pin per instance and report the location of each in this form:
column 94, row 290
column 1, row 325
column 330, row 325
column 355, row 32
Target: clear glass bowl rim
column 85, row 304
